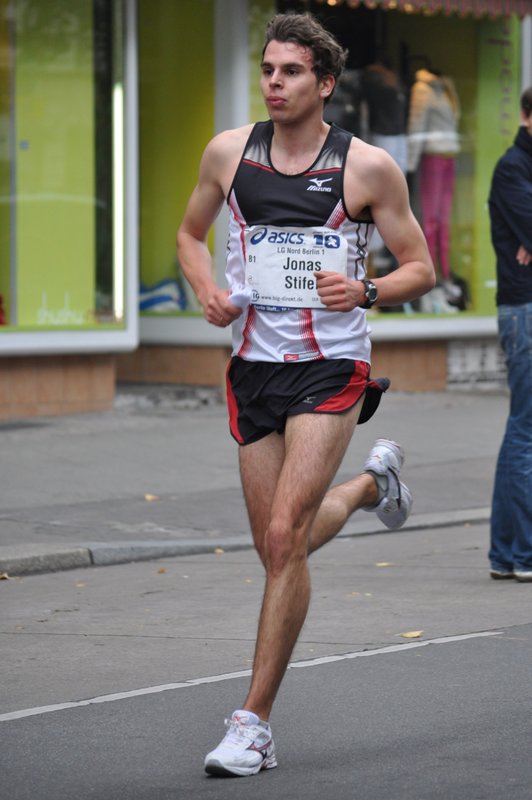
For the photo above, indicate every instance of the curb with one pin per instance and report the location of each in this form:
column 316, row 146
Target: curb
column 28, row 559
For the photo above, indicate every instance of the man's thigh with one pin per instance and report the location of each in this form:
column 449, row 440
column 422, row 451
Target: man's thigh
column 315, row 445
column 261, row 463
column 285, row 476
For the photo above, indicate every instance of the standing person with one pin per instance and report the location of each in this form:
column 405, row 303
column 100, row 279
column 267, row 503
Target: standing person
column 303, row 197
column 510, row 205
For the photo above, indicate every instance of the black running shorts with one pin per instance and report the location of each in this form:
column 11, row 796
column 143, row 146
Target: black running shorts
column 262, row 394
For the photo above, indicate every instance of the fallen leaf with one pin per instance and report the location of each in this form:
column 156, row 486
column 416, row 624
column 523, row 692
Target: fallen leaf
column 161, row 570
column 150, row 497
column 248, row 580
column 4, row 576
column 219, row 551
column 80, row 585
column 412, row 634
column 384, row 564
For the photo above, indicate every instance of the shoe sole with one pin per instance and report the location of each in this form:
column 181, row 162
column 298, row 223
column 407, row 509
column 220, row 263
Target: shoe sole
column 396, row 518
column 502, row 576
column 216, row 768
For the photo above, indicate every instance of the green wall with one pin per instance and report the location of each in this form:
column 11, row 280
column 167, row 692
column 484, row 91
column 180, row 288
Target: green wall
column 497, row 122
column 176, row 48
column 5, row 187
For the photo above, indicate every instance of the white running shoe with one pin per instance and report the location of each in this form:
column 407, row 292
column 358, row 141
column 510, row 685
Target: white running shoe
column 523, row 576
column 246, row 748
column 385, row 460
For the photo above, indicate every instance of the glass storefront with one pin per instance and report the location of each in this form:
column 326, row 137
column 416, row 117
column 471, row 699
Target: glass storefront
column 439, row 91
column 63, row 206
column 74, row 227
column 415, row 49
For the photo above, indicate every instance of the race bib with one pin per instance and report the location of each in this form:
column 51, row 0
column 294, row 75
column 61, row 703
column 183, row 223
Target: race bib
column 281, row 262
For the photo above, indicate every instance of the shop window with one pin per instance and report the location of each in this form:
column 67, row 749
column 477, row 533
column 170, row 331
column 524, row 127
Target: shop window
column 176, row 120
column 61, row 166
column 439, row 91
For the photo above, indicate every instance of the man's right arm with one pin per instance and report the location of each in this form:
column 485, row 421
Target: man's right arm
column 215, row 175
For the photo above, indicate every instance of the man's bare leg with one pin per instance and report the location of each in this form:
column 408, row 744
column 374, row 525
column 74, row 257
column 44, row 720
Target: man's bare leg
column 313, row 449
column 338, row 504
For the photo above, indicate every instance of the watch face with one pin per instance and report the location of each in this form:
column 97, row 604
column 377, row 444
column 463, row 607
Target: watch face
column 371, row 292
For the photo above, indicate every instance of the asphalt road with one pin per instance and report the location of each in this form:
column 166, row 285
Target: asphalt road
column 365, row 712
column 442, row 721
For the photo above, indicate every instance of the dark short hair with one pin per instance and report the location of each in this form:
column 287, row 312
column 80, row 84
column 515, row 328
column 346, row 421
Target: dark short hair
column 304, row 29
column 526, row 102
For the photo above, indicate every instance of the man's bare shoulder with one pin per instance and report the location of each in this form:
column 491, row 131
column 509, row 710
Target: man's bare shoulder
column 229, row 144
column 371, row 174
column 222, row 156
column 365, row 159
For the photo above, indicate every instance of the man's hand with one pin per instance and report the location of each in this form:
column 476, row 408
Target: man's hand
column 218, row 310
column 523, row 256
column 338, row 292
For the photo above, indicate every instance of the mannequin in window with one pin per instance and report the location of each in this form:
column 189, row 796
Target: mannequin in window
column 432, row 147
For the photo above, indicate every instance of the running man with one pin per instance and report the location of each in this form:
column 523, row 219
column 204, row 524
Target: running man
column 303, row 199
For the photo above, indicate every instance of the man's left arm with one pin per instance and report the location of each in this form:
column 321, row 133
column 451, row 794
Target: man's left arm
column 402, row 235
column 381, row 185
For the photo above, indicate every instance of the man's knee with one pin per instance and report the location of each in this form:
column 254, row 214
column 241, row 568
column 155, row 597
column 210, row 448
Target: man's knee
column 284, row 544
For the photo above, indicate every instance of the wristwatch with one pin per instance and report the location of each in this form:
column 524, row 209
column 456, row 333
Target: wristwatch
column 371, row 294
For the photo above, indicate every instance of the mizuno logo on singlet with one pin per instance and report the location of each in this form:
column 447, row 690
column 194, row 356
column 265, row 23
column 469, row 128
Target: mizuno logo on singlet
column 317, row 185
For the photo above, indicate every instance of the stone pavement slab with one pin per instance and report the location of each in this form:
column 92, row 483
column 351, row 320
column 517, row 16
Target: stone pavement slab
column 158, row 476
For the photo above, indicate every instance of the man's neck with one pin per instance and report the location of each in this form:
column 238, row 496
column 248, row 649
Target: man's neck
column 296, row 147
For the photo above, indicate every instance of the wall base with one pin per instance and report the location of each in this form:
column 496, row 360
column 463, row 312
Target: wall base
column 58, row 385
column 192, row 366
column 411, row 366
column 49, row 386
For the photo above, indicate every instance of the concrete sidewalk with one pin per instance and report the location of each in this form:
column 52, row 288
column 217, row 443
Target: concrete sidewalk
column 158, row 476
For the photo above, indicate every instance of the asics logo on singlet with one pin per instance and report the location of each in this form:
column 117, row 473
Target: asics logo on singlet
column 277, row 237
column 317, row 185
column 258, row 236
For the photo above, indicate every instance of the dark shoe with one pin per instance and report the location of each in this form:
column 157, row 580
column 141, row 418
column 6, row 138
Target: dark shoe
column 503, row 575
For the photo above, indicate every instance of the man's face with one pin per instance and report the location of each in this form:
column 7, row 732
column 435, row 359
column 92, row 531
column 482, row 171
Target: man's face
column 289, row 86
column 527, row 121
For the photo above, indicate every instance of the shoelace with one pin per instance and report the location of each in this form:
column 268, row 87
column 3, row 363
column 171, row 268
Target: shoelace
column 238, row 733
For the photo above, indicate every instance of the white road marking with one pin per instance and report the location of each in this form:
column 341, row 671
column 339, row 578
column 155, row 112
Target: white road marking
column 165, row 687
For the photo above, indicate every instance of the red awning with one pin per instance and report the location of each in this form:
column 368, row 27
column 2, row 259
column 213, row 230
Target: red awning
column 476, row 8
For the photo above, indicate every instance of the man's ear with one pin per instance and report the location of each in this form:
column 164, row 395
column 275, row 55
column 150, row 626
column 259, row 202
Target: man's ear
column 327, row 85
